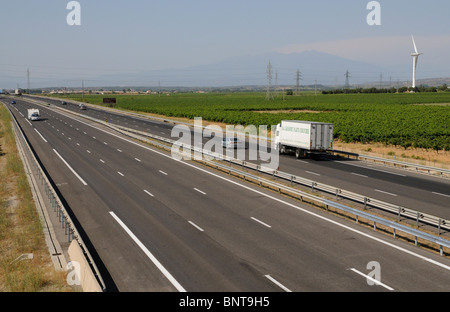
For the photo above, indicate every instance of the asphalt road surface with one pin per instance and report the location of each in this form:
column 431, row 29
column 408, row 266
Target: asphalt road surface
column 158, row 224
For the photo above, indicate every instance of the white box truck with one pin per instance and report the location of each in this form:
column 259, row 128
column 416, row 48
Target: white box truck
column 33, row 114
column 304, row 138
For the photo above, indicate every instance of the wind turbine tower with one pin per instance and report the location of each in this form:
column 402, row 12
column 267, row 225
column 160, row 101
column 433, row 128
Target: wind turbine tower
column 415, row 56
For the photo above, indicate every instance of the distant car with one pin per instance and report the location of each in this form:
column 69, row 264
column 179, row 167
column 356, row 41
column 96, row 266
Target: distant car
column 64, row 103
column 232, row 143
column 13, row 102
column 82, row 107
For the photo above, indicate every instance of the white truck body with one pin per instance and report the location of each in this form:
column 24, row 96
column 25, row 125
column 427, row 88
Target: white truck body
column 33, row 114
column 304, row 137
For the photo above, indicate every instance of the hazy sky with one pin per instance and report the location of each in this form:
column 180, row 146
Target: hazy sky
column 137, row 35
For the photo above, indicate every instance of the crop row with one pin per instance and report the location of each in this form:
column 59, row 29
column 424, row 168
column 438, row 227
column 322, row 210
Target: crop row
column 420, row 120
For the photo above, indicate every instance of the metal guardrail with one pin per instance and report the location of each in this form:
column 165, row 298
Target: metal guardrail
column 398, row 210
column 396, row 163
column 396, row 227
column 58, row 207
column 442, row 172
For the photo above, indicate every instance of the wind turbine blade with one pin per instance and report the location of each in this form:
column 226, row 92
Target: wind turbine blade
column 414, row 43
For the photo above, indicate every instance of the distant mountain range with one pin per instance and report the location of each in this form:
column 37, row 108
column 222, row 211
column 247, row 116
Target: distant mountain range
column 313, row 66
column 252, row 70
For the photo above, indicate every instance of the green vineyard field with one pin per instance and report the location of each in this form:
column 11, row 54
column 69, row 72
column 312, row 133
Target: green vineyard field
column 417, row 120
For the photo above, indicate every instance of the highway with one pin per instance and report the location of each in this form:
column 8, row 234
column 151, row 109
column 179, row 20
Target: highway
column 158, row 224
column 415, row 191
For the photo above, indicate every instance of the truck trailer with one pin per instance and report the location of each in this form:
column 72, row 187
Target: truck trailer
column 304, row 138
column 34, row 115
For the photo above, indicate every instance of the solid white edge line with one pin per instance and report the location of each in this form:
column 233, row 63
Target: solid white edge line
column 379, row 240
column 277, row 283
column 372, row 279
column 345, row 163
column 71, row 169
column 155, row 261
column 259, row 221
column 436, row 193
column 196, row 226
column 40, row 135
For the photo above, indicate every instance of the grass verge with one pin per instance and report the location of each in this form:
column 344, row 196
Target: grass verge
column 20, row 227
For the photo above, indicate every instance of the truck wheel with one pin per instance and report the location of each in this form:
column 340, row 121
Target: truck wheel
column 282, row 149
column 298, row 153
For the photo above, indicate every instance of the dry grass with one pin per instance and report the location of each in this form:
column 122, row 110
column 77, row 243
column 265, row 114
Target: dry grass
column 20, row 226
column 424, row 157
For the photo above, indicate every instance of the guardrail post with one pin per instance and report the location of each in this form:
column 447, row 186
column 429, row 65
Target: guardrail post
column 439, row 227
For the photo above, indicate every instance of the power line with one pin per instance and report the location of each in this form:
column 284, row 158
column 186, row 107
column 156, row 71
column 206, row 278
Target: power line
column 269, row 82
column 299, row 75
column 347, row 83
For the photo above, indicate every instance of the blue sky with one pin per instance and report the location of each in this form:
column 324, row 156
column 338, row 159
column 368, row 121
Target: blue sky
column 136, row 35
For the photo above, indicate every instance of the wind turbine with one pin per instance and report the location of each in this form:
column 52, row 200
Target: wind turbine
column 415, row 56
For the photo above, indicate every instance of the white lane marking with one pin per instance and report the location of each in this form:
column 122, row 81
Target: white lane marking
column 278, row 283
column 379, row 240
column 41, row 136
column 149, row 254
column 259, row 221
column 71, row 169
column 317, row 174
column 201, row 192
column 149, row 193
column 102, row 161
column 120, row 151
column 120, row 173
column 360, row 175
column 196, row 226
column 105, row 143
column 436, row 193
column 384, row 192
column 78, row 144
column 88, row 151
column 29, row 122
column 372, row 279
column 346, row 163
column 162, row 172
column 137, row 159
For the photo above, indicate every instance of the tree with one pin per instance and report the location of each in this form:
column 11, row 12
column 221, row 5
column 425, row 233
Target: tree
column 444, row 87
